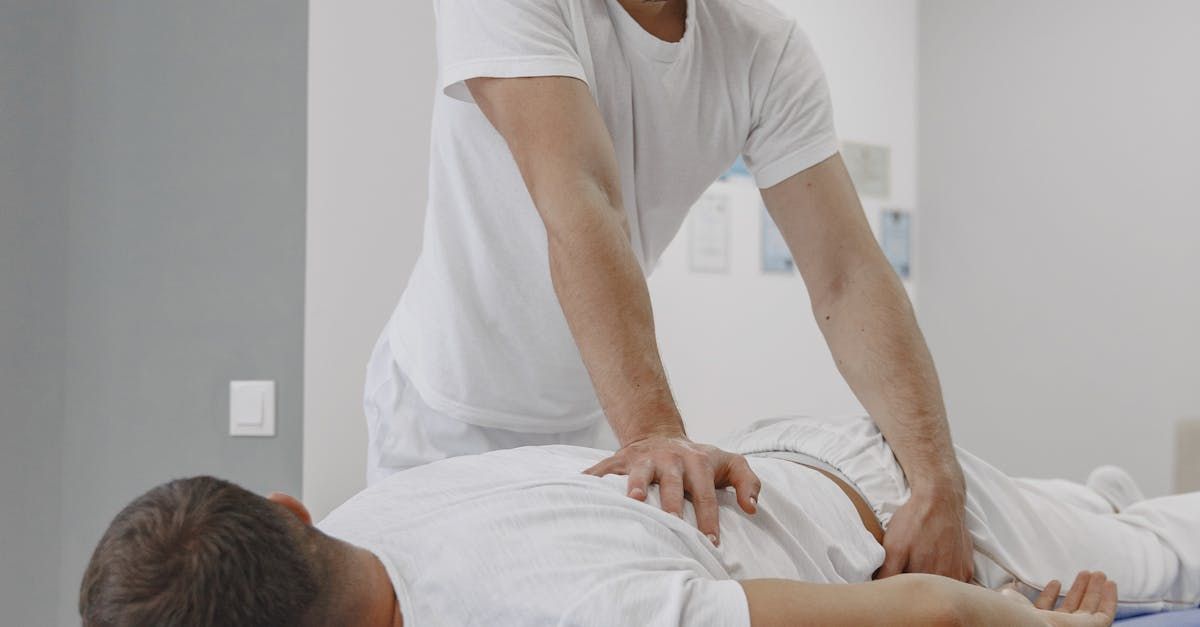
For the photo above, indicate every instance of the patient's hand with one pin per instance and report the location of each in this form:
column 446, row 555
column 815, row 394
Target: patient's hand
column 680, row 466
column 1091, row 602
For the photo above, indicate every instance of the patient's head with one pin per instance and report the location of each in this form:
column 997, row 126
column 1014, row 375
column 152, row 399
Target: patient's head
column 204, row 551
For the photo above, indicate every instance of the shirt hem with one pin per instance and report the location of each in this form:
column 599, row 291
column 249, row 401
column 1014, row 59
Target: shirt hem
column 452, row 79
column 797, row 161
column 734, row 604
column 482, row 417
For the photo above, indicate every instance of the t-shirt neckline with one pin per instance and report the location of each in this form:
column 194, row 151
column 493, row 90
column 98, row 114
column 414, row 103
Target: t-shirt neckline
column 650, row 45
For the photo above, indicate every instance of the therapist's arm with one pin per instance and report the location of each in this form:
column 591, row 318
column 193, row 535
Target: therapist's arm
column 925, row 601
column 864, row 312
column 565, row 154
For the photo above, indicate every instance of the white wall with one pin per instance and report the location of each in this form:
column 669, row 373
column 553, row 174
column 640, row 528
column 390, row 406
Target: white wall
column 744, row 346
column 370, row 99
column 738, row 347
column 1060, row 192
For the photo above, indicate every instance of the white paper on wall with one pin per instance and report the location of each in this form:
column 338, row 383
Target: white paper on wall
column 870, row 167
column 709, row 231
column 896, row 240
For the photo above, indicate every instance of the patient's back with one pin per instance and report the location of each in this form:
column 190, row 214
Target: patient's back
column 521, row 537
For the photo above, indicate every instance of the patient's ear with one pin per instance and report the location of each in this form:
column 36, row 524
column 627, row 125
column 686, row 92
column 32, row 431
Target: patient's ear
column 295, row 507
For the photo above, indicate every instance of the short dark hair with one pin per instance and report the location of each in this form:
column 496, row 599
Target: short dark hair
column 202, row 551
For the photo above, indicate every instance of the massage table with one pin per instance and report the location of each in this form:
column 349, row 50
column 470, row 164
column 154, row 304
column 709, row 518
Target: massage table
column 1188, row 618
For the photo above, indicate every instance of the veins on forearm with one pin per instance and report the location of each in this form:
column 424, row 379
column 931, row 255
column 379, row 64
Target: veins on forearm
column 610, row 317
column 879, row 349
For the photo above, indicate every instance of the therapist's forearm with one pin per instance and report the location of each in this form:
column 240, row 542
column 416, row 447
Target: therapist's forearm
column 869, row 324
column 564, row 152
column 604, row 297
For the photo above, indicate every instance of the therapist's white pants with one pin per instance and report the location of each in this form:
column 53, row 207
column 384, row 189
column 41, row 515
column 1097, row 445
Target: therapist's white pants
column 404, row 432
column 1026, row 531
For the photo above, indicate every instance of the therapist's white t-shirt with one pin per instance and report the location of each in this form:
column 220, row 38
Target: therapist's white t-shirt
column 521, row 537
column 479, row 331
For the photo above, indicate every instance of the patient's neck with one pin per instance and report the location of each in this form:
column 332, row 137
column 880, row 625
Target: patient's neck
column 373, row 599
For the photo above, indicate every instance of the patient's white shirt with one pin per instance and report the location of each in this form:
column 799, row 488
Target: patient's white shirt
column 521, row 537
column 479, row 331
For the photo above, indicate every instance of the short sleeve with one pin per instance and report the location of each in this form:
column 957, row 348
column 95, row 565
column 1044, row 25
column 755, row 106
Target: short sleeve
column 715, row 603
column 502, row 39
column 792, row 129
column 651, row 598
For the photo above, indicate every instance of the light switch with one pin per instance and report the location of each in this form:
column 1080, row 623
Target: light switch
column 252, row 408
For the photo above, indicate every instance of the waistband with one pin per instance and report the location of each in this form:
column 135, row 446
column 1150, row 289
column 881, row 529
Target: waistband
column 809, row 460
column 849, row 447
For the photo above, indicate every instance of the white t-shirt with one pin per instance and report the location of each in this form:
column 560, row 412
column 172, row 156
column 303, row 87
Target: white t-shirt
column 521, row 537
column 479, row 331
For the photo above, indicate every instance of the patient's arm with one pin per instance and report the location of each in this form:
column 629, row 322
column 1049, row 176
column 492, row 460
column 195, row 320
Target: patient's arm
column 924, row 600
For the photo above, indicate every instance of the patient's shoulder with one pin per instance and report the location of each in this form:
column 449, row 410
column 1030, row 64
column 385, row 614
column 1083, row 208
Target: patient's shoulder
column 457, row 478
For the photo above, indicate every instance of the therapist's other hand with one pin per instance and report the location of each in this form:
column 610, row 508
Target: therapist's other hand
column 928, row 534
column 680, row 466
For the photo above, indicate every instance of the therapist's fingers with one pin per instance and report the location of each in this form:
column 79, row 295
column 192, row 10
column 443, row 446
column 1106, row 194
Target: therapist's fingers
column 701, row 487
column 1048, row 596
column 895, row 554
column 640, row 477
column 670, row 488
column 894, row 563
column 608, row 466
column 736, row 472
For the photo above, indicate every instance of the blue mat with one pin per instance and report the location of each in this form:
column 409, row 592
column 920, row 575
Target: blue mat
column 1189, row 618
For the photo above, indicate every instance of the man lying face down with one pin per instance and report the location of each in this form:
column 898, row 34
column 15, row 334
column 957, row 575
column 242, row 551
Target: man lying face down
column 521, row 537
column 203, row 551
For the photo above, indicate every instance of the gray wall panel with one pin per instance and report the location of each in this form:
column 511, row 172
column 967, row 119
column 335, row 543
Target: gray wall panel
column 34, row 79
column 152, row 184
column 185, row 248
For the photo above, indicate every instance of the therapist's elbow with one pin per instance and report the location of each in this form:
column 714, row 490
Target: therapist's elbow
column 585, row 225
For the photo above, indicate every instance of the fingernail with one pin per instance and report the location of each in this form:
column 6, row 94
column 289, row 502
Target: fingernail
column 637, row 493
column 713, row 538
column 754, row 499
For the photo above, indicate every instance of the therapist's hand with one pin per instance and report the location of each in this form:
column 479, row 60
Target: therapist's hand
column 928, row 534
column 680, row 466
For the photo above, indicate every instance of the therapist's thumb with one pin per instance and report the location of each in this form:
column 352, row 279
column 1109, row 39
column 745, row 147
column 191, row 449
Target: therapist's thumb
column 894, row 562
